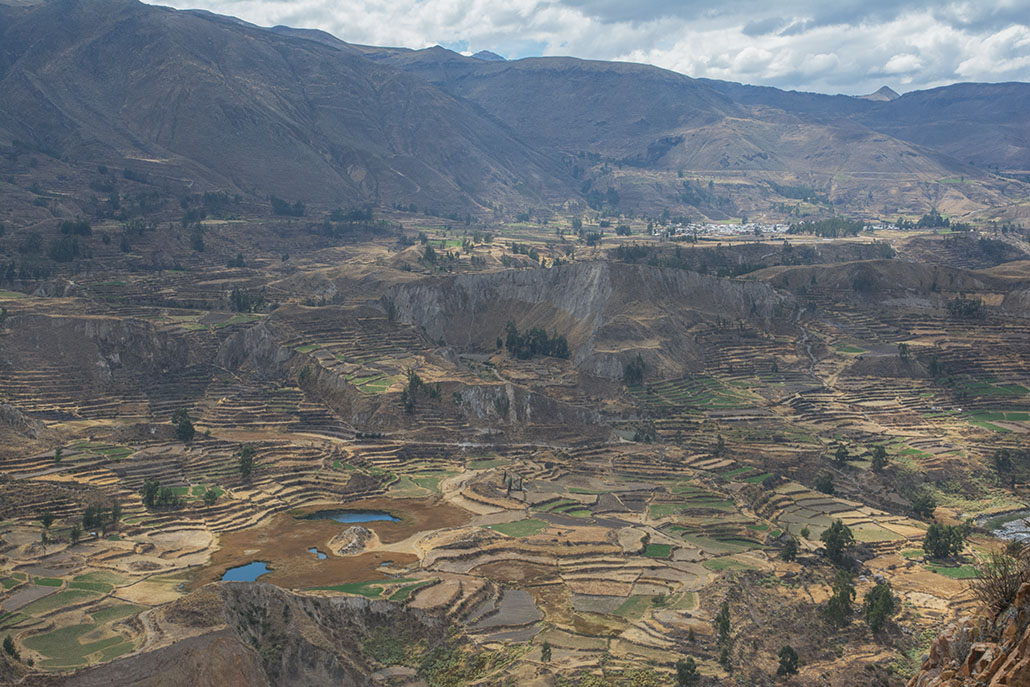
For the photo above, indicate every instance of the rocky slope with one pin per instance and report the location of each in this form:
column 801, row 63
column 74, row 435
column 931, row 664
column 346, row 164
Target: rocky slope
column 602, row 308
column 982, row 650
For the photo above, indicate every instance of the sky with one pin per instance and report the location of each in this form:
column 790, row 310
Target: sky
column 826, row 46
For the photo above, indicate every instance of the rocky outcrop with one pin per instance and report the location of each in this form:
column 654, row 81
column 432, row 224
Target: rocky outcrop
column 982, row 651
column 351, row 541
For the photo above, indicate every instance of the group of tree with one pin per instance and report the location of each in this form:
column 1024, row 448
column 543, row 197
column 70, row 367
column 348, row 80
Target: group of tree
column 943, row 541
column 285, row 208
column 246, row 300
column 830, row 228
column 155, row 495
column 966, row 308
column 100, row 516
column 415, row 386
column 534, row 342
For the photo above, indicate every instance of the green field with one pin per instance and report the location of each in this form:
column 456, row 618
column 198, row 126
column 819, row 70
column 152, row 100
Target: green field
column 520, row 528
column 658, row 550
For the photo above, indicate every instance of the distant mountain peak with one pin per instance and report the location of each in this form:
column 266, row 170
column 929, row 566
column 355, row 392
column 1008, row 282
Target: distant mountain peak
column 884, row 95
column 488, row 56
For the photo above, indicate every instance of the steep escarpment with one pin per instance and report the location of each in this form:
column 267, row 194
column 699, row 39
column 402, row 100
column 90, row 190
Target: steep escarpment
column 606, row 311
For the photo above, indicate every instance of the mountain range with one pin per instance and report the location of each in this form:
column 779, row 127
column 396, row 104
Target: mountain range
column 216, row 101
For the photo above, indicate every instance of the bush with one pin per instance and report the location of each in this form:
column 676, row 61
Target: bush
column 999, row 577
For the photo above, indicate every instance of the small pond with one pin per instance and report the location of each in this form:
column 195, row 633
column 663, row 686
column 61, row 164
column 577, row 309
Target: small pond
column 246, row 573
column 352, row 516
column 318, row 554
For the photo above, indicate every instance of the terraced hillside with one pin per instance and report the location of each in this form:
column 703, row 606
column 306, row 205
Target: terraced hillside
column 387, row 434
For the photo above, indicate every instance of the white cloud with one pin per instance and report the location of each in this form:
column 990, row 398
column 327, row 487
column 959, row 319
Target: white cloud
column 903, row 63
column 847, row 47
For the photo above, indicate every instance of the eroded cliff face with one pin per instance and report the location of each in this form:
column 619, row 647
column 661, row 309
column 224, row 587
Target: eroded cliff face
column 981, row 651
column 601, row 308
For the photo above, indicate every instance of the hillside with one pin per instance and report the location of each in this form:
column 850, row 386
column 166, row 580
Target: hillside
column 178, row 94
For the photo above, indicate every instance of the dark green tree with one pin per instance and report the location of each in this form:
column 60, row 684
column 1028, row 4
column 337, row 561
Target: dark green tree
column 788, row 661
column 879, row 606
column 790, row 549
column 210, row 496
column 839, row 606
column 841, row 455
column 722, row 623
column 151, row 490
column 1002, row 460
column 824, row 483
column 686, row 673
column 184, row 429
column 545, row 652
column 47, row 519
column 839, row 540
column 879, row 461
column 924, row 504
column 76, row 533
column 942, row 541
column 10, row 649
column 246, row 460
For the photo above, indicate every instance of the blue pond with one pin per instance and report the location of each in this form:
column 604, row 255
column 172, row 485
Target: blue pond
column 246, row 573
column 321, row 556
column 352, row 516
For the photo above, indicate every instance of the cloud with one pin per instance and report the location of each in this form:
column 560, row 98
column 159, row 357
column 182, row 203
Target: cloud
column 903, row 63
column 847, row 46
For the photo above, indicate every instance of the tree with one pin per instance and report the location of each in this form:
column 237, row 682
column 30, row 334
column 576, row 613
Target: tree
column 76, row 533
column 150, row 491
column 210, row 496
column 686, row 673
column 838, row 539
column 790, row 549
column 879, row 606
column 841, row 455
column 246, row 461
column 839, row 605
column 788, row 661
column 903, row 351
column 879, row 459
column 1002, row 460
column 47, row 519
column 824, row 483
column 10, row 649
column 722, row 623
column 633, row 371
column 545, row 652
column 924, row 504
column 58, row 454
column 184, row 429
